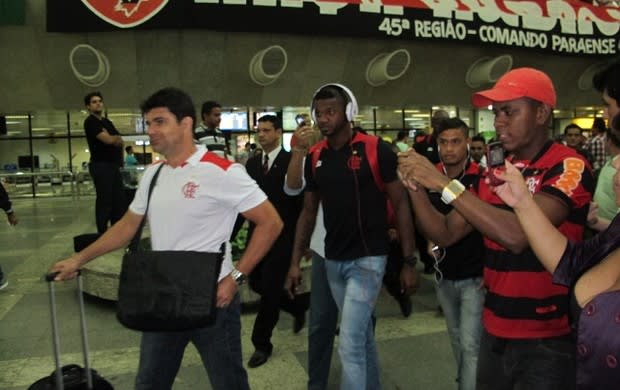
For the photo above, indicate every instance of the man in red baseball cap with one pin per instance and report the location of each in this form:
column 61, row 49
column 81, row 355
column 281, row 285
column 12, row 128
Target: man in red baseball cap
column 526, row 342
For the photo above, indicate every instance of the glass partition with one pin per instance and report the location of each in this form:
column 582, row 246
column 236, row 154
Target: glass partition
column 76, row 121
column 45, row 153
column 17, row 126
column 417, row 118
column 365, row 118
column 51, row 154
column 126, row 121
column 389, row 118
column 289, row 114
column 467, row 115
column 15, row 155
column 80, row 155
column 49, row 123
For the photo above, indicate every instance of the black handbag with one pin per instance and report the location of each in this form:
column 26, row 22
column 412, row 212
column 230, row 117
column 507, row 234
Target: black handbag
column 167, row 290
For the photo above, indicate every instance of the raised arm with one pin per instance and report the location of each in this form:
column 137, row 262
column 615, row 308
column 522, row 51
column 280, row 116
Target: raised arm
column 545, row 240
column 444, row 230
column 501, row 226
column 295, row 182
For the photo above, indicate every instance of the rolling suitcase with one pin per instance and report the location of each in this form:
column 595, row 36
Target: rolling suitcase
column 71, row 376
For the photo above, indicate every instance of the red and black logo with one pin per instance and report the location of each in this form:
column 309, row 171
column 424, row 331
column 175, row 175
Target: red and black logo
column 125, row 13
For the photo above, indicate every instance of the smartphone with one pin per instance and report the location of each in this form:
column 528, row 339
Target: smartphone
column 495, row 160
column 300, row 119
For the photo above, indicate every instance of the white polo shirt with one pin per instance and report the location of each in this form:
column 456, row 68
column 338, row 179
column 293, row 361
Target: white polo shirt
column 194, row 207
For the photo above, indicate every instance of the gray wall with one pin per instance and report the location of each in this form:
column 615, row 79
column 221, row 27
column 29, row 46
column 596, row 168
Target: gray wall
column 35, row 72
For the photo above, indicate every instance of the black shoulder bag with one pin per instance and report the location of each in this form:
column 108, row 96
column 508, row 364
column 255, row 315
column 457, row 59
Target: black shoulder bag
column 167, row 290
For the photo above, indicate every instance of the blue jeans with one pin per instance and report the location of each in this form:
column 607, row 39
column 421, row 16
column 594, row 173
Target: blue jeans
column 526, row 364
column 322, row 326
column 219, row 346
column 462, row 301
column 355, row 285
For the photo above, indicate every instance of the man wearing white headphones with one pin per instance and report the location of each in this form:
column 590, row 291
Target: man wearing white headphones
column 351, row 174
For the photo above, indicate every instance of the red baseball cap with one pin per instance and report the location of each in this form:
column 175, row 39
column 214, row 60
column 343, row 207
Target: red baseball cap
column 516, row 84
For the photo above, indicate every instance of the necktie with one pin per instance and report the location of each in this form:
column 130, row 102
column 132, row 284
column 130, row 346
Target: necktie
column 266, row 164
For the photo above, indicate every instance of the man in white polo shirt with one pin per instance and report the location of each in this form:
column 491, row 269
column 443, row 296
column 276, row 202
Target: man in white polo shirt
column 193, row 207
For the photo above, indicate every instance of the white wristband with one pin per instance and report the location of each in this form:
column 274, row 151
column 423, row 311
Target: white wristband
column 452, row 191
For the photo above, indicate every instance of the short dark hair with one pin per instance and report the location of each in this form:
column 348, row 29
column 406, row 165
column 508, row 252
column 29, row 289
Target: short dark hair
column 608, row 80
column 452, row 123
column 274, row 120
column 208, row 106
column 402, row 134
column 599, row 124
column 478, row 138
column 90, row 96
column 177, row 101
column 128, row 148
column 332, row 91
column 572, row 126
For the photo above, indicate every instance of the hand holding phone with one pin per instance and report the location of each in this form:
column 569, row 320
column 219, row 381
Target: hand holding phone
column 495, row 160
column 300, row 119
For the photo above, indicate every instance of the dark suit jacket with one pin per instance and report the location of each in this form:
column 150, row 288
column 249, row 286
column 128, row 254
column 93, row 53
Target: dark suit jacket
column 288, row 207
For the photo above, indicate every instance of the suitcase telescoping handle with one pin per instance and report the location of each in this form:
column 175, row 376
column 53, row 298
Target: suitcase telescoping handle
column 56, row 340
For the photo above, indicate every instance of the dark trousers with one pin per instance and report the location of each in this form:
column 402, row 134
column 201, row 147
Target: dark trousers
column 526, row 364
column 267, row 279
column 110, row 204
column 219, row 346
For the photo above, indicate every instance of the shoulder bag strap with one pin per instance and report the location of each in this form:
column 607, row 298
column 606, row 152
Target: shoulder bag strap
column 133, row 245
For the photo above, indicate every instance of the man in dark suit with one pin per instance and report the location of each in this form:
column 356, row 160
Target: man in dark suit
column 269, row 170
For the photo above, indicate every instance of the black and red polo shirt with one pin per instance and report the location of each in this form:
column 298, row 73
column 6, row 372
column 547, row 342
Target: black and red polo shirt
column 463, row 259
column 355, row 214
column 522, row 301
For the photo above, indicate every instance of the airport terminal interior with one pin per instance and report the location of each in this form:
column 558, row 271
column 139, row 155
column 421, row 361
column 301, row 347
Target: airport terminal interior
column 61, row 50
column 414, row 352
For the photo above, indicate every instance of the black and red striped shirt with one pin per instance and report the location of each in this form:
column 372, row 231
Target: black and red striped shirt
column 522, row 301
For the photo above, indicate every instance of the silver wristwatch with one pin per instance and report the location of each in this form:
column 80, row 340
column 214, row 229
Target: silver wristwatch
column 238, row 276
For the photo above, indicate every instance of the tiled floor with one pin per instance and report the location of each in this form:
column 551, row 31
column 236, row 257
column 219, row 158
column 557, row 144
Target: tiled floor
column 414, row 352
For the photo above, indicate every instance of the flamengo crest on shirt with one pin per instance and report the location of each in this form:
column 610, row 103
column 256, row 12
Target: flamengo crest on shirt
column 125, row 13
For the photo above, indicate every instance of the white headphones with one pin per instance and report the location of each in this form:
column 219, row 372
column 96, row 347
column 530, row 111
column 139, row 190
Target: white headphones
column 351, row 108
